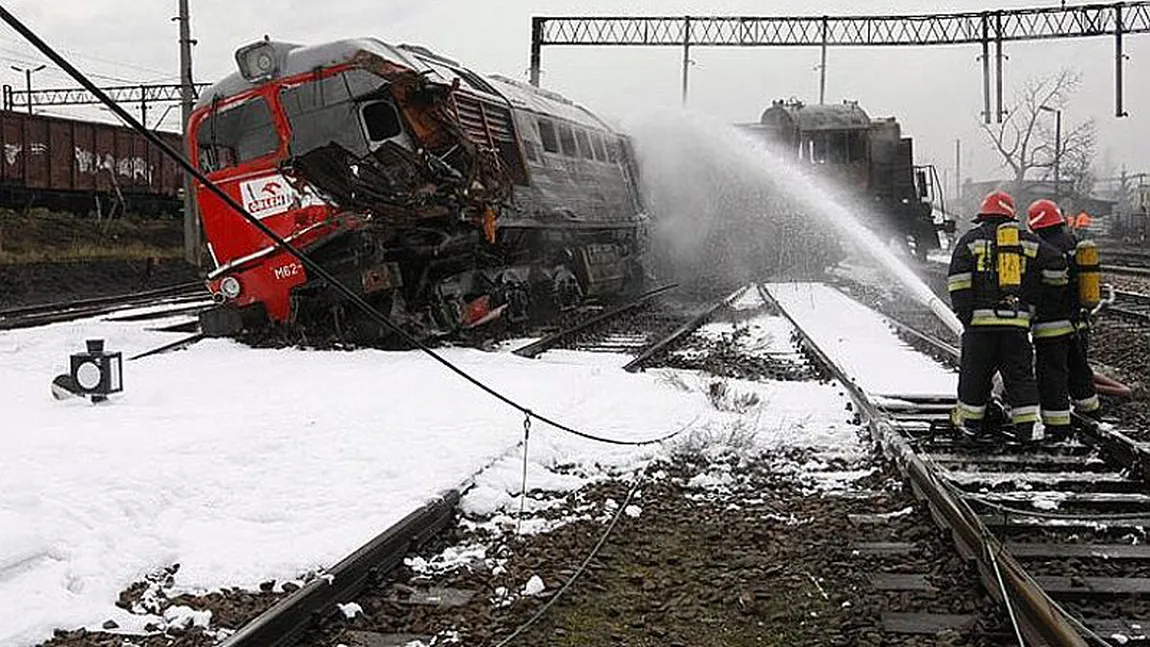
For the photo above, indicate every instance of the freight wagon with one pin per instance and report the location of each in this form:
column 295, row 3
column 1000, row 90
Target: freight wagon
column 82, row 166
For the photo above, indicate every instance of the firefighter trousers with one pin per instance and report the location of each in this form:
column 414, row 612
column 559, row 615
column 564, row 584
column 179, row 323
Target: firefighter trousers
column 1081, row 379
column 1004, row 350
column 1052, row 370
column 1064, row 375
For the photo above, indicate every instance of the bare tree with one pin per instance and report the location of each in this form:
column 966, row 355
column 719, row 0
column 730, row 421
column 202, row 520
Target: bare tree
column 1026, row 139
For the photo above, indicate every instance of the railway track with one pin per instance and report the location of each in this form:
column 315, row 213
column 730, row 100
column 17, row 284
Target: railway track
column 1132, row 305
column 176, row 299
column 1056, row 529
column 643, row 328
column 287, row 620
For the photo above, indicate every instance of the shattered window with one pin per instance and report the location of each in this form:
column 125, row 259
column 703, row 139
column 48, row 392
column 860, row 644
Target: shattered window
column 597, row 141
column 547, row 134
column 529, row 150
column 237, row 134
column 584, row 145
column 325, row 111
column 382, row 121
column 567, row 141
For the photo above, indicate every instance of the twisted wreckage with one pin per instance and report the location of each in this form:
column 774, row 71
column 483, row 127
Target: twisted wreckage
column 447, row 199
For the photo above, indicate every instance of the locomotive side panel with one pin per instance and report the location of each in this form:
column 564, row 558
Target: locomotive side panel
column 578, row 167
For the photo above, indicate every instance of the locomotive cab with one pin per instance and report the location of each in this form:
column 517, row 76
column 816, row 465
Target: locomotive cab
column 867, row 158
column 408, row 178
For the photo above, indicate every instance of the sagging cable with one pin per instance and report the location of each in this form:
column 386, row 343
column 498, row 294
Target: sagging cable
column 309, row 264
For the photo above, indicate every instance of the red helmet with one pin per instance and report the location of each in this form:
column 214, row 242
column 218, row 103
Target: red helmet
column 997, row 203
column 1042, row 214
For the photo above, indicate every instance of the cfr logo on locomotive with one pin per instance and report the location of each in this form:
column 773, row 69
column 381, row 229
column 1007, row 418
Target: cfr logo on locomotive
column 267, row 196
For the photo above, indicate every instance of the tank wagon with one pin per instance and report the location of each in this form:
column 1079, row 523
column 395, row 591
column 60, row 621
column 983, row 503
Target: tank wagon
column 446, row 198
column 868, row 158
column 68, row 164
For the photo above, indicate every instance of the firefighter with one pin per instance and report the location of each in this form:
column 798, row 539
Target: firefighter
column 994, row 281
column 1061, row 324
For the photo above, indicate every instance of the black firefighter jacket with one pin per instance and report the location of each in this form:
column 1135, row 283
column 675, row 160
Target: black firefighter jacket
column 973, row 279
column 1058, row 314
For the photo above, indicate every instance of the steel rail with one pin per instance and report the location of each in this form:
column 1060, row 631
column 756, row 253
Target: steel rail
column 682, row 331
column 179, row 343
column 1040, row 621
column 535, row 348
column 285, row 621
column 30, row 321
column 1126, row 269
column 178, row 289
column 938, row 344
column 1127, row 452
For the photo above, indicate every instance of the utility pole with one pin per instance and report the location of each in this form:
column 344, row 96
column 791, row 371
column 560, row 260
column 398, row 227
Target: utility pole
column 1057, row 154
column 686, row 54
column 823, row 66
column 1057, row 147
column 187, row 102
column 28, row 80
column 957, row 172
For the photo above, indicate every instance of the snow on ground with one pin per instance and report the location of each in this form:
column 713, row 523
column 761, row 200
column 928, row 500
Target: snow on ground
column 860, row 341
column 245, row 465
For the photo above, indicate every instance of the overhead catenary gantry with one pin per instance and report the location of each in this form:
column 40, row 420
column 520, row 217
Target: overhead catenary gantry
column 985, row 28
column 141, row 95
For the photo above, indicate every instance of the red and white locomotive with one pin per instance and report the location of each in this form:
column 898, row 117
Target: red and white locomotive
column 446, row 198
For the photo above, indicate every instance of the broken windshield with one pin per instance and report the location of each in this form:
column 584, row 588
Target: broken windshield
column 236, row 134
column 327, row 111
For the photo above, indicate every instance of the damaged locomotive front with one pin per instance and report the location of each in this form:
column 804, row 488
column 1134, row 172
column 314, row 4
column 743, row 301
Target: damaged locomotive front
column 445, row 199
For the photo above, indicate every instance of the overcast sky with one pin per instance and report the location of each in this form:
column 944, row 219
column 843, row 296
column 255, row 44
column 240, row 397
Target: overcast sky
column 934, row 92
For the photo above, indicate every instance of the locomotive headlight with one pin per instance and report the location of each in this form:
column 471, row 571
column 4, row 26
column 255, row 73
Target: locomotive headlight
column 230, row 286
column 257, row 62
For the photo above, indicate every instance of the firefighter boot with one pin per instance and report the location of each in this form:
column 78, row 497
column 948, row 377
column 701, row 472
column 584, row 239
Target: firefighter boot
column 974, row 432
column 1057, row 433
column 1027, row 432
column 996, row 417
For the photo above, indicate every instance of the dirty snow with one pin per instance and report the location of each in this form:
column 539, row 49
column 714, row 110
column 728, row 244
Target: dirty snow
column 245, row 465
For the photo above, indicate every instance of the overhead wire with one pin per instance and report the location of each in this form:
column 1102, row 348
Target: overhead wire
column 309, row 264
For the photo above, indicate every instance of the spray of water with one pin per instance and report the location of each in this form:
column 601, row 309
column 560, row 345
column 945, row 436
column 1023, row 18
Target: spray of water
column 728, row 206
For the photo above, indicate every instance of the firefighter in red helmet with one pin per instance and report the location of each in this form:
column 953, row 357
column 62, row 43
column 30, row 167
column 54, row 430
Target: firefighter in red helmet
column 995, row 278
column 1060, row 328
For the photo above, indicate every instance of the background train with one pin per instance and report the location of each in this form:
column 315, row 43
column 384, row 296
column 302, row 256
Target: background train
column 67, row 165
column 868, row 158
column 446, row 198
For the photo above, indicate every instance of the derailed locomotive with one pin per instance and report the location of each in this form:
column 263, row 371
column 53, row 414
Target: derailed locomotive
column 445, row 198
column 868, row 158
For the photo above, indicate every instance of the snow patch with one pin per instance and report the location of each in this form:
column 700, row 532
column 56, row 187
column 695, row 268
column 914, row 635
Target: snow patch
column 350, row 610
column 534, row 586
